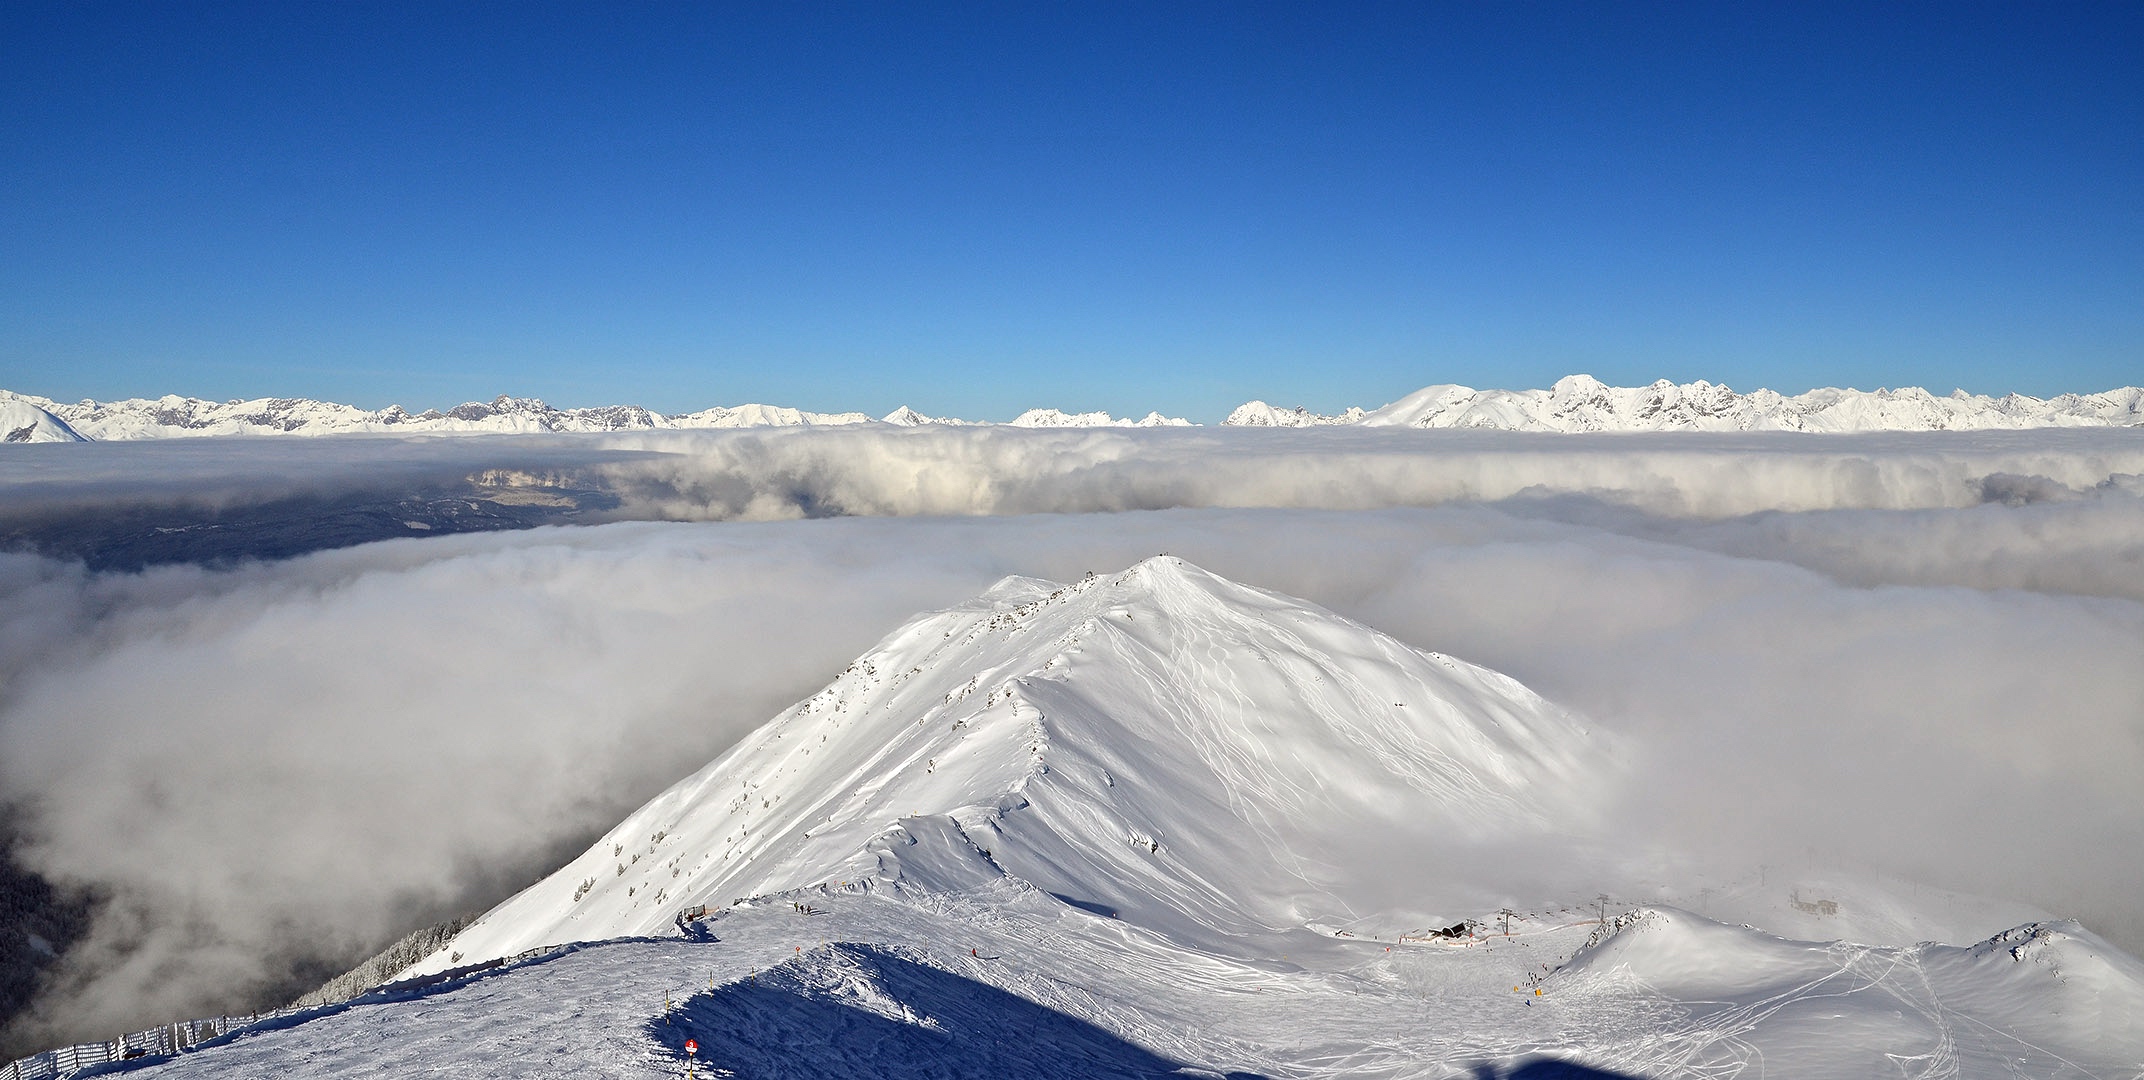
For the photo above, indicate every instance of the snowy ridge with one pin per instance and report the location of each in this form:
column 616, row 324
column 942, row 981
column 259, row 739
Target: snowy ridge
column 173, row 416
column 1260, row 414
column 907, row 417
column 1580, row 403
column 1576, row 403
column 1185, row 752
column 1054, row 418
column 26, row 420
column 38, row 419
column 1037, row 418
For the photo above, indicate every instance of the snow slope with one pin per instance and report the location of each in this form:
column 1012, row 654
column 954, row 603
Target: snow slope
column 26, row 420
column 2044, row 999
column 1194, row 755
column 1000, row 980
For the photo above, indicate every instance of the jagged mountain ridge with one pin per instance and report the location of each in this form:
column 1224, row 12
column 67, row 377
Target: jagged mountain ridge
column 1580, row 403
column 1576, row 403
column 28, row 418
column 172, row 416
column 1190, row 754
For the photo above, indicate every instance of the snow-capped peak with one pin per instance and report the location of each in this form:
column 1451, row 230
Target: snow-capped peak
column 1575, row 403
column 26, row 420
column 172, row 416
column 1055, row 418
column 1260, row 414
column 907, row 417
column 1164, row 743
column 1580, row 403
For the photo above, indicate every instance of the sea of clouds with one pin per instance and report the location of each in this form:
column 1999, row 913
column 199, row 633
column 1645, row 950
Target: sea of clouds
column 1916, row 654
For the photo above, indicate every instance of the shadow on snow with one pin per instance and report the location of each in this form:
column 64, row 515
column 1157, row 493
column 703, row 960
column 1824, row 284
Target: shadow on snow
column 854, row 1011
column 1547, row 1069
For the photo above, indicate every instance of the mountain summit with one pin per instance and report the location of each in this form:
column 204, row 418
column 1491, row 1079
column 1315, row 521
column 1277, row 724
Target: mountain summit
column 1205, row 759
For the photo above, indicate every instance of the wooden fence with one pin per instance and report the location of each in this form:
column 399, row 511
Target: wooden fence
column 182, row 1037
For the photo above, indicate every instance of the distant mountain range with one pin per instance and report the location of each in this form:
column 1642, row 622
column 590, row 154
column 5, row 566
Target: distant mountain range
column 27, row 418
column 1582, row 403
column 1576, row 403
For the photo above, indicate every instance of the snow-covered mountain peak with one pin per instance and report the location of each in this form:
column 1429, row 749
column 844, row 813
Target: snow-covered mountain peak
column 1260, row 414
column 174, row 416
column 1582, row 403
column 26, row 420
column 1162, row 743
column 1058, row 418
column 1574, row 403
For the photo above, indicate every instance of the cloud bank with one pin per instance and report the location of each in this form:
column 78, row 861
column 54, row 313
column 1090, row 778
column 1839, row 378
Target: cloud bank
column 1856, row 651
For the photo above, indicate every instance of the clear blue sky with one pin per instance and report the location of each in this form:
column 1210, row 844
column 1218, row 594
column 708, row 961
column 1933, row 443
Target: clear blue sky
column 977, row 209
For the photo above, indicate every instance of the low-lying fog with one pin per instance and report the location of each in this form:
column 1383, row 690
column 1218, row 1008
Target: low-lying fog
column 1922, row 655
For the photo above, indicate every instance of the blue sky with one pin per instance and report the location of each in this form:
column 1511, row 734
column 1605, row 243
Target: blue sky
column 978, row 209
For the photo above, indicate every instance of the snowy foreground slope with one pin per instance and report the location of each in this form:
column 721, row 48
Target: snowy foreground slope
column 1159, row 823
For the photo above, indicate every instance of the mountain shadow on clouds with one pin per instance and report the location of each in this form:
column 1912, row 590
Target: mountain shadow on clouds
column 856, row 1012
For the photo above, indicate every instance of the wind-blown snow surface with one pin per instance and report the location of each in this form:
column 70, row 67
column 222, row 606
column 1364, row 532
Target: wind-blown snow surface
column 1140, row 804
